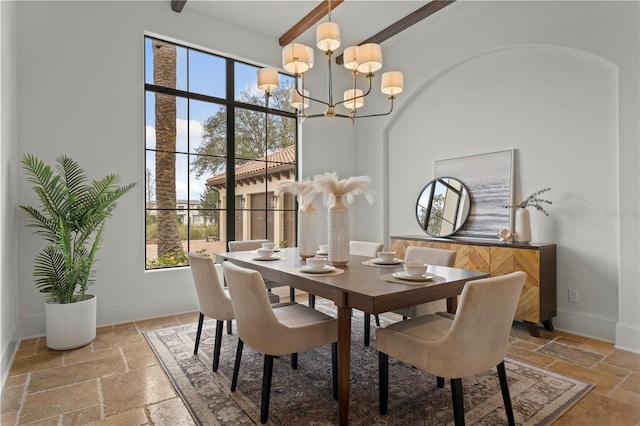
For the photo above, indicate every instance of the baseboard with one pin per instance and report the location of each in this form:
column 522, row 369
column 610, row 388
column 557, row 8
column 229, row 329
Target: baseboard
column 8, row 354
column 110, row 315
column 628, row 337
column 585, row 324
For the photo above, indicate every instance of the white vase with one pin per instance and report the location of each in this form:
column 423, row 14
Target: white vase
column 523, row 226
column 338, row 232
column 71, row 325
column 307, row 237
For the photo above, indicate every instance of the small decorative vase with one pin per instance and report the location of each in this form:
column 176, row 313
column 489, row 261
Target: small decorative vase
column 523, row 226
column 338, row 232
column 307, row 238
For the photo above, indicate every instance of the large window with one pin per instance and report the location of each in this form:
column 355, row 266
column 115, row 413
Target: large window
column 205, row 117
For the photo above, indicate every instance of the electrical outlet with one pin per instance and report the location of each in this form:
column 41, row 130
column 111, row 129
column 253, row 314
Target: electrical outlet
column 573, row 295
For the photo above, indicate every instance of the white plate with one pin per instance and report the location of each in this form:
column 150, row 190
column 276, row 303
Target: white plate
column 324, row 270
column 404, row 276
column 321, row 253
column 268, row 258
column 382, row 262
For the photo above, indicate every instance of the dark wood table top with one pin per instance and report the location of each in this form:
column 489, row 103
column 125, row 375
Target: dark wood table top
column 360, row 283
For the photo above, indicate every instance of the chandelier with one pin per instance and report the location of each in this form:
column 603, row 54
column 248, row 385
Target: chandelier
column 361, row 60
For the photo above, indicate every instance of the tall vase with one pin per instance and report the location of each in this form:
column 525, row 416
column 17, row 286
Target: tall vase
column 307, row 238
column 523, row 226
column 338, row 232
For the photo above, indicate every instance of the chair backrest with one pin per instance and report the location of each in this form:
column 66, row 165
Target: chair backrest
column 208, row 278
column 365, row 248
column 431, row 256
column 246, row 245
column 478, row 338
column 257, row 324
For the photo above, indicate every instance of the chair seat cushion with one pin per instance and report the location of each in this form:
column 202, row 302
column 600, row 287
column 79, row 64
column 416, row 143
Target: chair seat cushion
column 407, row 340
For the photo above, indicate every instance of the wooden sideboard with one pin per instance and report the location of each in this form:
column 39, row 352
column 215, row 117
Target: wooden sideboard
column 538, row 299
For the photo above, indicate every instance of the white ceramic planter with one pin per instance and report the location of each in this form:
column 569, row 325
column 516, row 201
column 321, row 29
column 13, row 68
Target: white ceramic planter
column 71, row 325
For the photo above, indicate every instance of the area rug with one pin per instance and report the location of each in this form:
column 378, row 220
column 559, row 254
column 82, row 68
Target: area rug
column 304, row 396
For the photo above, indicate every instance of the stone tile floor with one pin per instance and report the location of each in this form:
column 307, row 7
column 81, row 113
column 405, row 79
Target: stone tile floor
column 116, row 380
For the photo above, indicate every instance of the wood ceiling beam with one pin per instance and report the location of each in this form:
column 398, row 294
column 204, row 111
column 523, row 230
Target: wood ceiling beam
column 404, row 23
column 177, row 5
column 308, row 21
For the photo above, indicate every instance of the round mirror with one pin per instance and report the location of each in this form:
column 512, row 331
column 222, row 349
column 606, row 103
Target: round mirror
column 443, row 206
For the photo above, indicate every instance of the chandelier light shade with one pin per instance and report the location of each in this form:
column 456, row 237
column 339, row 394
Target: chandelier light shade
column 361, row 61
column 328, row 36
column 296, row 58
column 267, row 79
column 350, row 58
column 299, row 102
column 392, row 83
column 369, row 58
column 353, row 99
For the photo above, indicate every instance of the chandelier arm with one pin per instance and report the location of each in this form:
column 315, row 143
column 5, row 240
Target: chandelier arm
column 370, row 77
column 391, row 98
column 309, row 97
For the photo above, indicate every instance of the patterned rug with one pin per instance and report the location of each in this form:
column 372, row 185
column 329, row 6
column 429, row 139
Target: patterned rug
column 304, row 396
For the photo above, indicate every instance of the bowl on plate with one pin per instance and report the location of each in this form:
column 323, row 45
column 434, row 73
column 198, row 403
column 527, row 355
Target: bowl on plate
column 415, row 269
column 264, row 253
column 316, row 263
column 386, row 256
column 269, row 246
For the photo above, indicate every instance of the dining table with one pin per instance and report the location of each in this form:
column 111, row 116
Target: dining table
column 360, row 284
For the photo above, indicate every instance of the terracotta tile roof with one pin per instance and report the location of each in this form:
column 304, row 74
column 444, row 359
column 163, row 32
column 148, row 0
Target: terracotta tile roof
column 277, row 162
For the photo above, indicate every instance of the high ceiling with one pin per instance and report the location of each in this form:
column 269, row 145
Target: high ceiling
column 358, row 19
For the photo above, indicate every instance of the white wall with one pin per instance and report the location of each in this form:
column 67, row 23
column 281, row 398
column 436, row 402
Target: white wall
column 558, row 81
column 8, row 187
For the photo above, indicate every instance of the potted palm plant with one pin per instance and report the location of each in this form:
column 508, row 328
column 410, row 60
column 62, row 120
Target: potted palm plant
column 71, row 219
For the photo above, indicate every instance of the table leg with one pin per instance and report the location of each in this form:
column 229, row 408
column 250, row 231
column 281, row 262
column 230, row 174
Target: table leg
column 452, row 304
column 344, row 363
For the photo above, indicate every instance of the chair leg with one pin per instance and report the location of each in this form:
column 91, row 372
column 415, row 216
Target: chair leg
column 200, row 322
column 312, row 301
column 334, row 369
column 294, row 361
column 236, row 366
column 458, row 402
column 440, row 381
column 383, row 382
column 502, row 374
column 266, row 388
column 229, row 327
column 292, row 294
column 367, row 328
column 217, row 344
column 377, row 320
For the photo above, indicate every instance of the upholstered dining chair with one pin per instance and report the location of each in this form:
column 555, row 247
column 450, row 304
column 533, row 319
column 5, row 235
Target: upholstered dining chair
column 287, row 329
column 213, row 299
column 370, row 249
column 474, row 341
column 253, row 245
column 430, row 256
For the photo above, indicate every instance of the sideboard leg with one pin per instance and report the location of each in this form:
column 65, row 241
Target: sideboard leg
column 548, row 325
column 533, row 328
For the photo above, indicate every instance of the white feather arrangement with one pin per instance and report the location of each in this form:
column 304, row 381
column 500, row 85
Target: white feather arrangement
column 330, row 186
column 303, row 190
